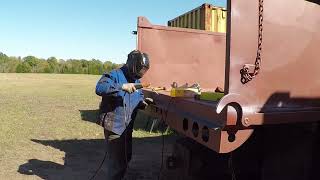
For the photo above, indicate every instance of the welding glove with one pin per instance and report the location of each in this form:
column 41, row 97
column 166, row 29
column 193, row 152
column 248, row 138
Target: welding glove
column 128, row 87
column 145, row 103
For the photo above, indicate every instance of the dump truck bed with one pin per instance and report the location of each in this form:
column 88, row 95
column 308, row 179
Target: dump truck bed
column 267, row 63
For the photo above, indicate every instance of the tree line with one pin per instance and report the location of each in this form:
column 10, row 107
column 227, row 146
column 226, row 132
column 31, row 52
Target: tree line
column 32, row 64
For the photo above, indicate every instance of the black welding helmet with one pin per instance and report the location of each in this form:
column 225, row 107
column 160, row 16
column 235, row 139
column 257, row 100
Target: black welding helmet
column 138, row 64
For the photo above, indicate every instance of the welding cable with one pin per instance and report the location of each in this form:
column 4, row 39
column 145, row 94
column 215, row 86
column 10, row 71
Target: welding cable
column 100, row 166
column 126, row 130
column 162, row 149
column 231, row 167
column 125, row 135
column 106, row 153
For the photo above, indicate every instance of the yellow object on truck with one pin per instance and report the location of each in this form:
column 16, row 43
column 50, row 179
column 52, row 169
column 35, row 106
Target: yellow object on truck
column 184, row 92
column 211, row 96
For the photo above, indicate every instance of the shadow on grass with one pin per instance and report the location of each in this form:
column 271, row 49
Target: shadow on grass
column 82, row 158
column 142, row 120
column 90, row 115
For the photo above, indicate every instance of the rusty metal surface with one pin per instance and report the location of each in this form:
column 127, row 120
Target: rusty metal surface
column 197, row 120
column 181, row 55
column 287, row 88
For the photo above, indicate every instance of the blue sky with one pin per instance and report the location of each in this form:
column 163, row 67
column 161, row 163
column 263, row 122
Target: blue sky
column 86, row 29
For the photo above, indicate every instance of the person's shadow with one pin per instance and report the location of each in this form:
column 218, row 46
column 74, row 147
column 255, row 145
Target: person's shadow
column 90, row 115
column 143, row 121
column 82, row 158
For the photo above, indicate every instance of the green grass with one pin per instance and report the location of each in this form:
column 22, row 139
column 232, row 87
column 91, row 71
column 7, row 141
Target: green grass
column 45, row 107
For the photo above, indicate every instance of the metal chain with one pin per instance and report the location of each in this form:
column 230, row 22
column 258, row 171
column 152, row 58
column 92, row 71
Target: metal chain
column 246, row 76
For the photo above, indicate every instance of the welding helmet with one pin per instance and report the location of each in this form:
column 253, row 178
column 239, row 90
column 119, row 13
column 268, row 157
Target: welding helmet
column 138, row 64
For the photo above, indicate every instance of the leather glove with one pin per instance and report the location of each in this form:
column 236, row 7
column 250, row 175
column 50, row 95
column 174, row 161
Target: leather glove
column 128, row 87
column 146, row 102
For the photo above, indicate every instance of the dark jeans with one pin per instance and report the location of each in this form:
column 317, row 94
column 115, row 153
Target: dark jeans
column 119, row 152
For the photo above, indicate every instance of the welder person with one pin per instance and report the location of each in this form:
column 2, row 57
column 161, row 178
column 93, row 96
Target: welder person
column 120, row 102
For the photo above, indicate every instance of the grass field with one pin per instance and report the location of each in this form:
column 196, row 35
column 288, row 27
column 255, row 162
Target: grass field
column 45, row 127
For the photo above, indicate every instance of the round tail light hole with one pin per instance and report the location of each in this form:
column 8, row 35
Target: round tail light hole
column 195, row 129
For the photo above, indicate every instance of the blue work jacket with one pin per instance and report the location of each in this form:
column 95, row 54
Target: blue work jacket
column 117, row 105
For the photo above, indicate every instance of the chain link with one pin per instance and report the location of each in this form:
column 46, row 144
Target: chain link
column 246, row 76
